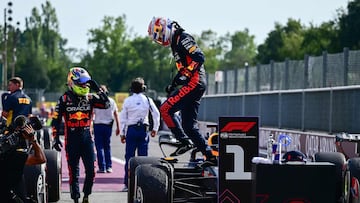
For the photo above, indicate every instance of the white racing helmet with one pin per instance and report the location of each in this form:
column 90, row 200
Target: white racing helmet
column 160, row 30
column 77, row 81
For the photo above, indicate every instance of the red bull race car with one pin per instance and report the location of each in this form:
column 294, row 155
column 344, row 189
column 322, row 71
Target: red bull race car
column 167, row 179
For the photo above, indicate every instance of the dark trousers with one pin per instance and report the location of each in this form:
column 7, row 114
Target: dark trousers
column 80, row 146
column 102, row 134
column 137, row 138
column 187, row 101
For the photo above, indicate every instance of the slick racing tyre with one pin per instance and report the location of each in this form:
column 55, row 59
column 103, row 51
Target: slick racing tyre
column 53, row 171
column 40, row 138
column 151, row 184
column 35, row 177
column 47, row 137
column 133, row 163
column 342, row 174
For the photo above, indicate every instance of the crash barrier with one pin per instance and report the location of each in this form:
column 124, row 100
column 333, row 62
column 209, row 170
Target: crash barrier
column 328, row 110
column 307, row 142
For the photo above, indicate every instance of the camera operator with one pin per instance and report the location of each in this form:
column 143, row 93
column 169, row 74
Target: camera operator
column 26, row 151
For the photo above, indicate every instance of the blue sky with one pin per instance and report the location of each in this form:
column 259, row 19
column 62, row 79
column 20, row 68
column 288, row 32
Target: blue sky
column 76, row 17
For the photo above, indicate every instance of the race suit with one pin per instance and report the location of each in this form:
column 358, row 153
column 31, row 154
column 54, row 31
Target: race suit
column 192, row 81
column 77, row 112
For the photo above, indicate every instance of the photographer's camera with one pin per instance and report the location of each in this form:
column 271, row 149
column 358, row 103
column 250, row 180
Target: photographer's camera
column 11, row 138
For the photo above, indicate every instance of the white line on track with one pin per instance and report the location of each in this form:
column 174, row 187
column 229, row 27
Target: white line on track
column 120, row 161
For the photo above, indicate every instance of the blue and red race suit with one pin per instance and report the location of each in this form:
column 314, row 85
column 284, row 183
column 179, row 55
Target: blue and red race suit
column 191, row 77
column 77, row 112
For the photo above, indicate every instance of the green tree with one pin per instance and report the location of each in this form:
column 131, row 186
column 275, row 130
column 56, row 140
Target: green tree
column 243, row 49
column 110, row 43
column 283, row 42
column 32, row 61
column 42, row 58
column 125, row 59
column 213, row 48
column 116, row 57
column 154, row 63
column 54, row 45
column 318, row 39
column 349, row 24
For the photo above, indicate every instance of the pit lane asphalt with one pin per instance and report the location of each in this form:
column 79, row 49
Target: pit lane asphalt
column 118, row 152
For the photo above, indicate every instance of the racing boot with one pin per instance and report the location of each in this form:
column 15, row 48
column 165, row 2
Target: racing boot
column 210, row 160
column 186, row 145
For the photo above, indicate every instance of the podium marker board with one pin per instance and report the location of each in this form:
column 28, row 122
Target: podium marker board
column 238, row 144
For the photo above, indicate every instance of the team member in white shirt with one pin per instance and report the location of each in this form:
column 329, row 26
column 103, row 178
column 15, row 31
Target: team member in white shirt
column 103, row 124
column 135, row 122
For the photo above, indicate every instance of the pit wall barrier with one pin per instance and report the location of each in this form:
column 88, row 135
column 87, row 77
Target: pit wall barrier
column 307, row 142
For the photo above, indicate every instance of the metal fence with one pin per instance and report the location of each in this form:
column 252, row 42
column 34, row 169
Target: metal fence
column 319, row 93
column 327, row 110
column 328, row 70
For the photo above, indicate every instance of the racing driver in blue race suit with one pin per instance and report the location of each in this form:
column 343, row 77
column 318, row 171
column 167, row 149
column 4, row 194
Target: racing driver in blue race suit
column 76, row 108
column 187, row 87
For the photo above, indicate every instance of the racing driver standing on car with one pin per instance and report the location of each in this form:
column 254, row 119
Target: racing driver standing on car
column 76, row 107
column 187, row 87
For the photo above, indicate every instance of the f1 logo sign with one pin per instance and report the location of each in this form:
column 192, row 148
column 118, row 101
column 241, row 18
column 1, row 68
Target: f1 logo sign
column 238, row 144
column 238, row 126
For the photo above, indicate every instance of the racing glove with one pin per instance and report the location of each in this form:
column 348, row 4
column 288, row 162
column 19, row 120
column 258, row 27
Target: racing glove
column 169, row 89
column 57, row 143
column 94, row 85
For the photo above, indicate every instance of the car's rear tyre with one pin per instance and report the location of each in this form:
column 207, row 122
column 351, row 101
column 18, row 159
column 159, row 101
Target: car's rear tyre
column 40, row 138
column 342, row 174
column 47, row 137
column 35, row 180
column 53, row 171
column 151, row 184
column 133, row 163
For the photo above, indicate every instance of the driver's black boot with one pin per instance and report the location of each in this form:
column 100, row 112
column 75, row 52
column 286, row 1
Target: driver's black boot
column 211, row 160
column 186, row 145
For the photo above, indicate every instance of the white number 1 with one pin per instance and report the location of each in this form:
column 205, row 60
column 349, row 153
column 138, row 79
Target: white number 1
column 239, row 172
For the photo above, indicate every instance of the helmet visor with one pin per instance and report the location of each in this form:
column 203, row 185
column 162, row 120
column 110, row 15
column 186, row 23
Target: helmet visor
column 81, row 81
column 158, row 33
